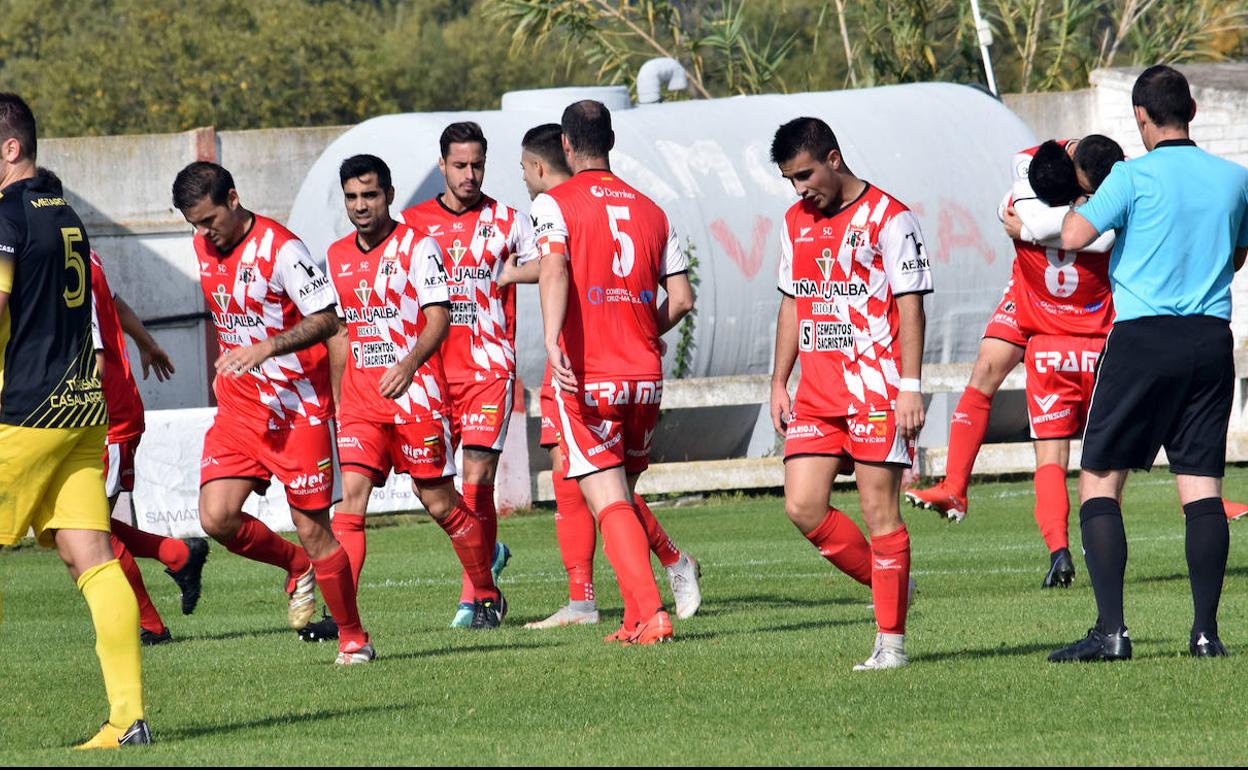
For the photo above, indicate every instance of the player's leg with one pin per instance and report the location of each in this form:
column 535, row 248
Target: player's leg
column 468, row 538
column 879, row 491
column 183, row 559
column 807, row 488
column 365, row 459
column 478, row 473
column 1052, row 509
column 348, row 521
column 152, row 628
column 577, row 536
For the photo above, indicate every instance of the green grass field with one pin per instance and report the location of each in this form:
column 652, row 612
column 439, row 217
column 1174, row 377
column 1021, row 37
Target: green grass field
column 760, row 676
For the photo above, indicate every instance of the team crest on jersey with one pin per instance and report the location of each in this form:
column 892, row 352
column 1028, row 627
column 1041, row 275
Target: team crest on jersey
column 825, row 264
column 856, row 237
column 247, row 274
column 486, row 230
column 364, row 292
column 457, row 249
column 222, row 297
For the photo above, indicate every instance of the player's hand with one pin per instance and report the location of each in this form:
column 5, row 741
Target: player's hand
column 1012, row 223
column 239, row 361
column 781, row 407
column 910, row 414
column 507, row 277
column 156, row 360
column 561, row 366
column 396, row 380
column 662, row 347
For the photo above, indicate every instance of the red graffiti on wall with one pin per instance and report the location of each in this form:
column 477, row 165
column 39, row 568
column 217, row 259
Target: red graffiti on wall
column 749, row 263
column 956, row 229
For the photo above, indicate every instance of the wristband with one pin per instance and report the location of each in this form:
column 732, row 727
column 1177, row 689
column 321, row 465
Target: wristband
column 911, row 385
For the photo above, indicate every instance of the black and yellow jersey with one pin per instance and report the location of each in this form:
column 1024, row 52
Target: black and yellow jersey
column 48, row 376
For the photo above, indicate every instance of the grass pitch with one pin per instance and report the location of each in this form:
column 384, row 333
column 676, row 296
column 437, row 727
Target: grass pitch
column 760, row 676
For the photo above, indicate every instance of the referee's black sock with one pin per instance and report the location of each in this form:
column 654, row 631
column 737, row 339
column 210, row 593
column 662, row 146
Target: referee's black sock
column 1105, row 553
column 1208, row 540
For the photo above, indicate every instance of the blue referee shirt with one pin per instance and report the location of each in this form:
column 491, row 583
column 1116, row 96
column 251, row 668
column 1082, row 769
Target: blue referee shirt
column 1180, row 213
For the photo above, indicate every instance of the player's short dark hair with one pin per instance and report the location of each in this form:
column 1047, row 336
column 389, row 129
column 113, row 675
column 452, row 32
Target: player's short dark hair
column 199, row 180
column 811, row 135
column 357, row 166
column 18, row 122
column 1095, row 155
column 459, row 133
column 47, row 181
column 546, row 142
column 587, row 125
column 1052, row 175
column 1164, row 94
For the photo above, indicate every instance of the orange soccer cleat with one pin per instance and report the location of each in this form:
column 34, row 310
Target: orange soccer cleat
column 657, row 629
column 1234, row 511
column 938, row 498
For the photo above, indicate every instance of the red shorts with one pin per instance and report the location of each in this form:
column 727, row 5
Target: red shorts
column 301, row 458
column 1060, row 375
column 550, row 416
column 119, row 465
column 1004, row 323
column 608, row 425
column 868, row 438
column 422, row 449
column 480, row 412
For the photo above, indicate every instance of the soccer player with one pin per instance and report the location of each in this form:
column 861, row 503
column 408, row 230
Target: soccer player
column 1167, row 376
column 52, row 413
column 544, row 166
column 605, row 250
column 853, row 273
column 389, row 385
column 476, row 234
column 272, row 307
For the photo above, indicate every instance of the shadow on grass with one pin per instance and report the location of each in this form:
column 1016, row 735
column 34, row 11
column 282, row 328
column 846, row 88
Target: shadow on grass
column 1182, row 576
column 226, row 635
column 276, row 720
column 807, row 626
column 483, row 649
column 767, row 601
column 1039, row 649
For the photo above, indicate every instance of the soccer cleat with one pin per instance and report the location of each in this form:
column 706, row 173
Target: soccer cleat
column 1061, row 572
column 502, row 555
column 1095, row 646
column 110, row 737
column 488, row 614
column 883, row 657
column 1234, row 511
column 463, row 615
column 1204, row 646
column 565, row 616
column 189, row 577
column 683, row 578
column 621, row 634
column 302, row 600
column 148, row 638
column 654, row 631
column 948, row 505
column 355, row 653
column 320, row 630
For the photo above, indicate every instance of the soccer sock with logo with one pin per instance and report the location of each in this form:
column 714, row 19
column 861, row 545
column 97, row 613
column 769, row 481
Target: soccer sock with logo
column 479, row 498
column 1105, row 554
column 660, row 544
column 115, row 615
column 169, row 551
column 966, row 435
column 468, row 540
column 577, row 535
column 1052, row 509
column 624, row 542
column 1208, row 542
column 348, row 529
column 257, row 542
column 149, row 618
column 841, row 542
column 333, row 576
column 890, row 580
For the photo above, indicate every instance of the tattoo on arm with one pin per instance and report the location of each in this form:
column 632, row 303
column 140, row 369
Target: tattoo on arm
column 315, row 328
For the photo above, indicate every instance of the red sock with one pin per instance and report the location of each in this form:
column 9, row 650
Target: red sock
column 149, row 618
column 469, row 542
column 966, row 435
column 170, row 551
column 348, row 528
column 624, row 542
column 841, row 542
column 890, row 580
column 479, row 499
column 1052, row 506
column 257, row 542
column 660, row 544
column 333, row 576
column 577, row 536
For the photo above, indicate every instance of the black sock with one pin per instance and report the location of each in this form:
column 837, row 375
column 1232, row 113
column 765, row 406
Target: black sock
column 1208, row 540
column 1105, row 554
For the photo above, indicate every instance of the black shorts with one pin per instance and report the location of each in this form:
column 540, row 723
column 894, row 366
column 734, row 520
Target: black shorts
column 1163, row 381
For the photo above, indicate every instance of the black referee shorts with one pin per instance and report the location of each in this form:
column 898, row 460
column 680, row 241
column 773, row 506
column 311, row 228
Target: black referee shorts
column 1162, row 381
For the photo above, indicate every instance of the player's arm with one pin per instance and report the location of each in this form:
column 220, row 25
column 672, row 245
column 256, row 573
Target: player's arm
column 1240, row 255
column 1241, row 242
column 522, row 265
column 551, row 232
column 398, row 378
column 338, row 346
column 675, row 282
column 514, row 272
column 910, row 278
column 911, row 328
column 151, row 354
column 1107, row 210
column 786, row 336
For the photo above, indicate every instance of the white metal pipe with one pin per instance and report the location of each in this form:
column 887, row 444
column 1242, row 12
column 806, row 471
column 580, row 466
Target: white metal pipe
column 656, row 73
column 984, row 32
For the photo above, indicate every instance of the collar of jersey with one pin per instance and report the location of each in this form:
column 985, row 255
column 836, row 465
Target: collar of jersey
column 1174, row 143
column 394, row 225
column 865, row 188
column 454, row 213
column 241, row 241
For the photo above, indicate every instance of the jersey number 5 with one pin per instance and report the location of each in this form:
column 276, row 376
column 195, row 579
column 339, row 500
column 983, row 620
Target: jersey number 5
column 622, row 262
column 75, row 288
column 1060, row 277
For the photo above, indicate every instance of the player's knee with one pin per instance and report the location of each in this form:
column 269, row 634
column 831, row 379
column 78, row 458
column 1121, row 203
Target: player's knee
column 804, row 513
column 217, row 523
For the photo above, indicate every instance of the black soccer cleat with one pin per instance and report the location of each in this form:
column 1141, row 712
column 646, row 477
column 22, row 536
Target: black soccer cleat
column 321, row 630
column 1095, row 646
column 1061, row 570
column 1206, row 646
column 190, row 576
column 149, row 638
column 488, row 614
column 110, row 737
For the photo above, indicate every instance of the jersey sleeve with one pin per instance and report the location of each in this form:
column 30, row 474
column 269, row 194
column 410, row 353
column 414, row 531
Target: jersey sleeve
column 784, row 280
column 10, row 247
column 428, row 274
column 549, row 228
column 905, row 256
column 299, row 278
column 675, row 261
column 1109, row 207
column 521, row 241
column 97, row 339
column 1241, row 239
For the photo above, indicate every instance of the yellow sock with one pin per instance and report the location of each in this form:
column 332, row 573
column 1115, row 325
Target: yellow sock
column 115, row 614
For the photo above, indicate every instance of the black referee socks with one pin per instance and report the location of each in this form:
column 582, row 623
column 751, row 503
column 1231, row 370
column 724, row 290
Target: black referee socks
column 1208, row 541
column 1105, row 554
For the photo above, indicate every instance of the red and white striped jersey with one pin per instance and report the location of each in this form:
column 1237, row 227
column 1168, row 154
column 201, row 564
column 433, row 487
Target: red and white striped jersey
column 381, row 293
column 475, row 247
column 121, row 392
column 845, row 271
column 266, row 285
column 619, row 245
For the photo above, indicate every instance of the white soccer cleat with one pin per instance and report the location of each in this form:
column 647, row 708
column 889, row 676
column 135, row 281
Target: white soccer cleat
column 302, row 601
column 884, row 656
column 354, row 655
column 566, row 616
column 683, row 578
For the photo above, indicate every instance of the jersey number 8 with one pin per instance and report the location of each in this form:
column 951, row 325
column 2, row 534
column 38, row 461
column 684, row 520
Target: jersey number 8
column 75, row 288
column 1060, row 277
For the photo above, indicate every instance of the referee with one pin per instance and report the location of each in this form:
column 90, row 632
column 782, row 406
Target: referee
column 1166, row 376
